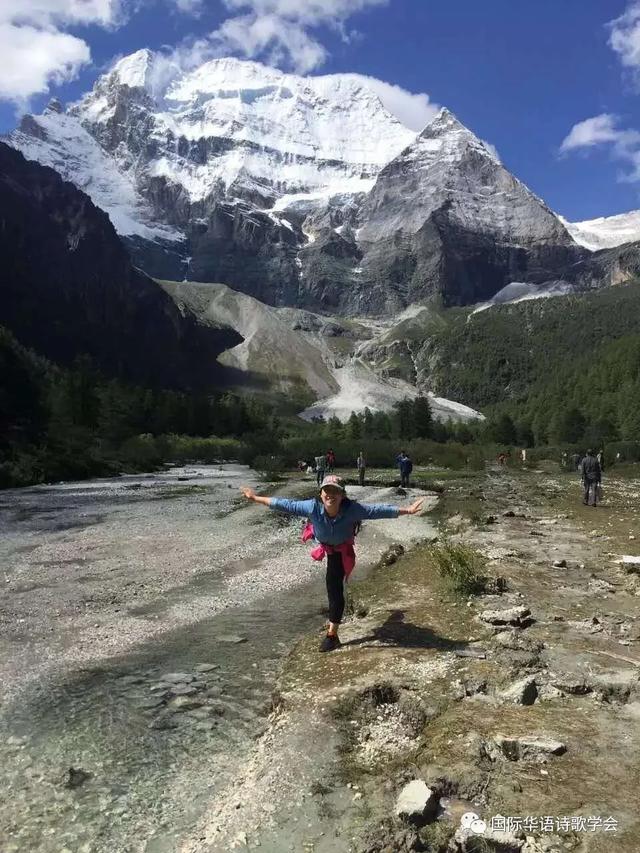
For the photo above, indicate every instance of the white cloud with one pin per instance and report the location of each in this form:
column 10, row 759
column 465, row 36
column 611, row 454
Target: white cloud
column 36, row 52
column 591, row 131
column 189, row 7
column 278, row 30
column 53, row 57
column 624, row 37
column 48, row 13
column 276, row 39
column 492, row 149
column 414, row 110
column 602, row 130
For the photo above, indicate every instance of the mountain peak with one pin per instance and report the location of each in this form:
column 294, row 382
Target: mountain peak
column 442, row 123
column 54, row 106
column 134, row 70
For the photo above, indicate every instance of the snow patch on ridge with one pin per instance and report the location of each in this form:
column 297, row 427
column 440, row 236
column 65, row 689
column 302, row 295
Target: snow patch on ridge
column 62, row 143
column 522, row 291
column 605, row 232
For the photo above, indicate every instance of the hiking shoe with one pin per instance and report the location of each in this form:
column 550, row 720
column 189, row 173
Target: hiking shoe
column 330, row 642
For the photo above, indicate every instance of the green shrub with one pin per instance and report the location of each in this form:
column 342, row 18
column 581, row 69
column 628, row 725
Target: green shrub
column 462, row 568
column 269, row 467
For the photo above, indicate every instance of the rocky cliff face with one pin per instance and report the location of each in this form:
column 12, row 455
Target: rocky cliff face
column 300, row 191
column 68, row 287
column 446, row 218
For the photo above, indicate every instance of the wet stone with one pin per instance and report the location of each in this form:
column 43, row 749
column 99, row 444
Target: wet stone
column 150, row 704
column 183, row 703
column 206, row 667
column 130, row 679
column 203, row 713
column 178, row 677
column 75, row 777
column 183, row 690
column 160, row 687
column 163, row 723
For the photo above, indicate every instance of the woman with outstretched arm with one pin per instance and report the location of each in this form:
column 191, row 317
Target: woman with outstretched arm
column 334, row 518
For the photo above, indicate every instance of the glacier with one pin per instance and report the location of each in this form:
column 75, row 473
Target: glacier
column 606, row 232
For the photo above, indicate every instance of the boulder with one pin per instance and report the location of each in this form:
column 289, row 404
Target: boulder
column 522, row 692
column 417, row 803
column 468, row 687
column 518, row 641
column 519, row 616
column 528, row 747
column 575, row 685
column 547, row 692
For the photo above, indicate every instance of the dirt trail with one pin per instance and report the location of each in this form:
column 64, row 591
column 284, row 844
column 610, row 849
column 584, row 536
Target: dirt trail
column 423, row 688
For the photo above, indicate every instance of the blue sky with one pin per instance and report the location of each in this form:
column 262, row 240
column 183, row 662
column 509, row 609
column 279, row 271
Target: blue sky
column 521, row 74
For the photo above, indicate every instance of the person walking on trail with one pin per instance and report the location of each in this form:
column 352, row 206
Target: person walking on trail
column 331, row 461
column 600, row 458
column 591, row 477
column 321, row 465
column 361, row 466
column 333, row 518
column 406, row 467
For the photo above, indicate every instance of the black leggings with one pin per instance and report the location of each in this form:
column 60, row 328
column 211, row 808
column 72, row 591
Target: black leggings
column 335, row 586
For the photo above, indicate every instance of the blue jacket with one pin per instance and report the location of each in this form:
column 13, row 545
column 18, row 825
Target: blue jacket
column 334, row 531
column 405, row 464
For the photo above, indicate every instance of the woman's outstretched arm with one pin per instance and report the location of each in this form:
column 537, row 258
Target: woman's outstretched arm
column 376, row 511
column 302, row 508
column 415, row 507
column 250, row 495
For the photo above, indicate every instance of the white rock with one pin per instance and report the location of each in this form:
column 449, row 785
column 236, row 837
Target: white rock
column 417, row 803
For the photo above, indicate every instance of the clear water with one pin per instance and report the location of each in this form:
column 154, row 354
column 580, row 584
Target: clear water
column 146, row 787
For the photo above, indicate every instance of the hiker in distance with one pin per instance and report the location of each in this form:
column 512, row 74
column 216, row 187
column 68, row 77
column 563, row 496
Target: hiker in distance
column 333, row 518
column 361, row 465
column 591, row 475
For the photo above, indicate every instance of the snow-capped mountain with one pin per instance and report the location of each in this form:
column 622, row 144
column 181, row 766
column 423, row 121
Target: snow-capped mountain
column 297, row 190
column 229, row 130
column 606, row 231
column 448, row 165
column 445, row 217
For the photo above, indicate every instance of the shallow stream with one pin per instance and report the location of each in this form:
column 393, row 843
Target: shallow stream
column 142, row 627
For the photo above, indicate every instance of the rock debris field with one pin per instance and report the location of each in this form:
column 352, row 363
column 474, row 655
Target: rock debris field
column 502, row 721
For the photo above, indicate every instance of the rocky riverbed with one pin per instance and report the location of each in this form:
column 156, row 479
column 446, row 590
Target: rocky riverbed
column 143, row 625
column 506, row 721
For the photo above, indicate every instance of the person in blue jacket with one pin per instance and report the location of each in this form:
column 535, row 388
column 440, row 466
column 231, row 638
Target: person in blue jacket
column 334, row 517
column 406, row 467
